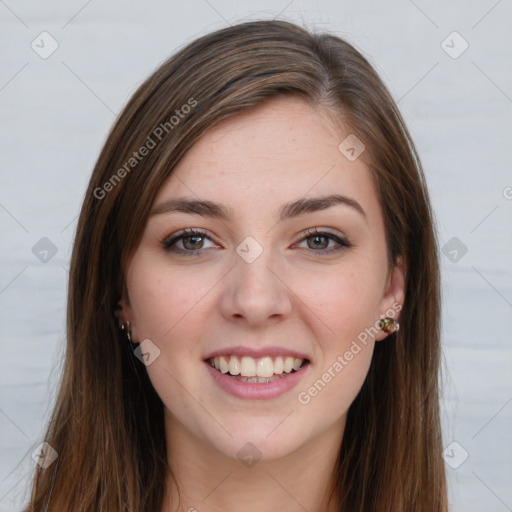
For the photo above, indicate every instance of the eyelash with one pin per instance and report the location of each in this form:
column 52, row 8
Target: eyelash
column 168, row 244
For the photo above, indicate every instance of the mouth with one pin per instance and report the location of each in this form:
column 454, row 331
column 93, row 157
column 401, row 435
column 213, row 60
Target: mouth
column 262, row 370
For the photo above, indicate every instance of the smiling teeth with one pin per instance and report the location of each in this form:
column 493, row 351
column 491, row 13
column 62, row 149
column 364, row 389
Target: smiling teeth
column 265, row 367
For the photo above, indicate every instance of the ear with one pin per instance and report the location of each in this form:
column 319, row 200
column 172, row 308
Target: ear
column 394, row 293
column 123, row 313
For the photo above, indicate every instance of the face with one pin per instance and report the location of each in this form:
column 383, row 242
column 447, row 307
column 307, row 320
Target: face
column 276, row 282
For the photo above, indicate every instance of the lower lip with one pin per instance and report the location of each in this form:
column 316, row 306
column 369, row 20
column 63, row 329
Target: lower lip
column 255, row 391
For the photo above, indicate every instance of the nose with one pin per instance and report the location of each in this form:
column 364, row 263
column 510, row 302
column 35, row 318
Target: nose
column 256, row 293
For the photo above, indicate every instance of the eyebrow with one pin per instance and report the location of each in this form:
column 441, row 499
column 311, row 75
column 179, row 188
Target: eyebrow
column 289, row 210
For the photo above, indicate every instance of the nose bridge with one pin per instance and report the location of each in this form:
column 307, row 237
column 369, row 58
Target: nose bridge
column 255, row 291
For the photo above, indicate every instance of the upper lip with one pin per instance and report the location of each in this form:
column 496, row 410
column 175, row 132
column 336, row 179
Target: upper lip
column 241, row 351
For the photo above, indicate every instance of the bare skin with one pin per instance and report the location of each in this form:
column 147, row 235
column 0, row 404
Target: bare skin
column 304, row 292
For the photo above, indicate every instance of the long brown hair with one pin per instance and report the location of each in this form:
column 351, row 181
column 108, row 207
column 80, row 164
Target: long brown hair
column 107, row 425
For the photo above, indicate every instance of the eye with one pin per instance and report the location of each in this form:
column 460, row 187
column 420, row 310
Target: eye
column 191, row 241
column 320, row 241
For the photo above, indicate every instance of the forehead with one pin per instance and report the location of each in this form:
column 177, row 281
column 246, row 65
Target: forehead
column 279, row 151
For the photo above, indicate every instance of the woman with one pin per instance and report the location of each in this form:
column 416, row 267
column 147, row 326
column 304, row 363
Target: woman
column 256, row 229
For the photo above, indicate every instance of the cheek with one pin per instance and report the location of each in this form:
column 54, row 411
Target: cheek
column 341, row 369
column 166, row 310
column 326, row 398
column 346, row 300
column 347, row 303
column 163, row 301
column 168, row 307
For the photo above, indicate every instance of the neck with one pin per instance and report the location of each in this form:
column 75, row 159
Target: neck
column 205, row 480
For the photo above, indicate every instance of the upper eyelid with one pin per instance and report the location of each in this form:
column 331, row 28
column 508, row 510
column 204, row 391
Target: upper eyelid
column 184, row 233
column 305, row 234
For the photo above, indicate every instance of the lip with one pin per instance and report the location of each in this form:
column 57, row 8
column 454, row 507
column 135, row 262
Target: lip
column 240, row 351
column 255, row 391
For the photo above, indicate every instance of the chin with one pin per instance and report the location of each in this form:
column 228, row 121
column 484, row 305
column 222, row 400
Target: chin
column 262, row 441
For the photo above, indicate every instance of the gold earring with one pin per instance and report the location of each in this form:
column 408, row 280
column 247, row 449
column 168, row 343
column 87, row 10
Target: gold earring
column 389, row 325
